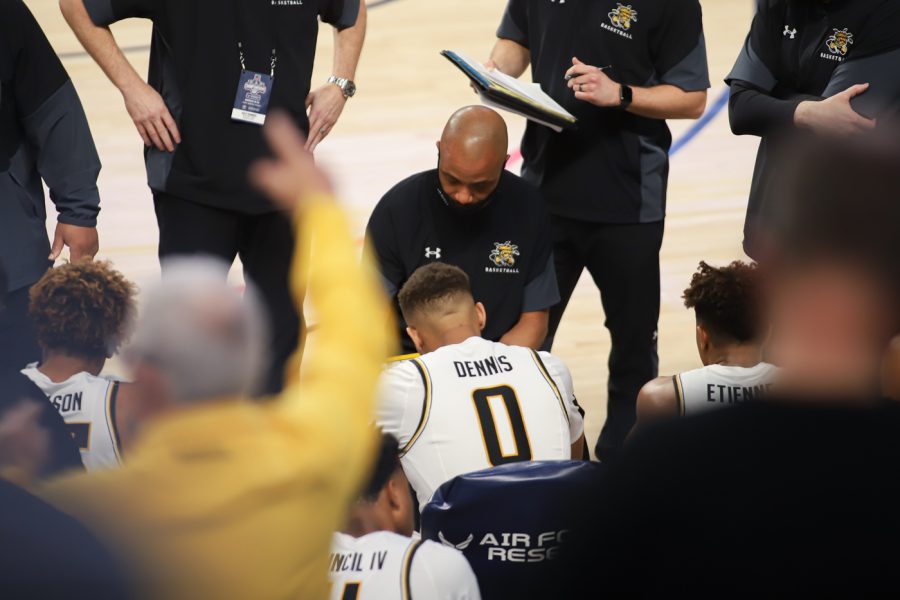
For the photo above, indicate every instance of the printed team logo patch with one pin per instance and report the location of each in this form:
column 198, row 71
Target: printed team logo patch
column 622, row 16
column 838, row 45
column 504, row 254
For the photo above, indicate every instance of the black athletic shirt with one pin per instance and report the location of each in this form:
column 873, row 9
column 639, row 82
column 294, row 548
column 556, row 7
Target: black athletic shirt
column 807, row 50
column 44, row 135
column 194, row 64
column 504, row 248
column 614, row 167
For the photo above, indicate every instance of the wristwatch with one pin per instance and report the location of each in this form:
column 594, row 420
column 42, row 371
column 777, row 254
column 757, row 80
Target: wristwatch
column 347, row 86
column 625, row 95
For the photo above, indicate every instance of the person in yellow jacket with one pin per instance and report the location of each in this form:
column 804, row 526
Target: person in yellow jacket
column 224, row 498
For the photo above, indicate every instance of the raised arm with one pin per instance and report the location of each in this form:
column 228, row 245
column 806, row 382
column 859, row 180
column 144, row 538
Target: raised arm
column 146, row 107
column 331, row 404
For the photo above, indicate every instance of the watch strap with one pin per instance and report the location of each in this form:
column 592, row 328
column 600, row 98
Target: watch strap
column 625, row 96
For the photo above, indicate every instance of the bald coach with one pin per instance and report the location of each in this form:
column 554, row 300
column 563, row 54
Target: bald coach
column 472, row 213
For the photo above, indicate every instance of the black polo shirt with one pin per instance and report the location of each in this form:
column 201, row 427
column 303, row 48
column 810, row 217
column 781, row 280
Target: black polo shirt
column 505, row 248
column 806, row 50
column 44, row 135
column 194, row 64
column 614, row 167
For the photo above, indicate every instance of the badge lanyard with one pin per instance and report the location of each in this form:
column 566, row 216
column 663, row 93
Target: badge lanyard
column 254, row 89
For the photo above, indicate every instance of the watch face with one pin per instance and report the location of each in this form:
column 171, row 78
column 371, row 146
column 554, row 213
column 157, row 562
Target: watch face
column 350, row 89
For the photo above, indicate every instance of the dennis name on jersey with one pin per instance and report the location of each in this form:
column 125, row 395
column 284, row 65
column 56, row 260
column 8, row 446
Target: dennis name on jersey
column 483, row 367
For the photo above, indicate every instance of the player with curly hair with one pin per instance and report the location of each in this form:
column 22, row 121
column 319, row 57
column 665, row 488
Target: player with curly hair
column 730, row 335
column 82, row 313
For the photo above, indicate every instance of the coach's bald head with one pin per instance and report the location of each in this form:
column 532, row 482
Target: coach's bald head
column 473, row 153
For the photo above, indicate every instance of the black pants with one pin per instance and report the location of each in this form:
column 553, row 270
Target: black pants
column 623, row 260
column 265, row 244
column 18, row 340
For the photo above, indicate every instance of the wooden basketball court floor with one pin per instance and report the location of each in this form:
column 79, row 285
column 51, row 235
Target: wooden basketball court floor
column 387, row 132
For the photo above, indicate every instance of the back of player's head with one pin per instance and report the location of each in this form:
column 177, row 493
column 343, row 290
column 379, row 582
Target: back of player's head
column 385, row 504
column 386, row 466
column 726, row 301
column 205, row 338
column 432, row 290
column 83, row 309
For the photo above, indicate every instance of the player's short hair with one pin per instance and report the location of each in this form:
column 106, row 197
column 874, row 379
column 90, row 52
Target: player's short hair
column 726, row 301
column 432, row 285
column 83, row 308
column 386, row 465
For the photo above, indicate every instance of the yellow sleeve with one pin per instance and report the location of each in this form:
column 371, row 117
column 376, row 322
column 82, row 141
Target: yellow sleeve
column 336, row 392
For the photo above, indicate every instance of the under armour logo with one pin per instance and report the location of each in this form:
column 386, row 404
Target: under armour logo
column 429, row 253
column 789, row 32
column 560, row 1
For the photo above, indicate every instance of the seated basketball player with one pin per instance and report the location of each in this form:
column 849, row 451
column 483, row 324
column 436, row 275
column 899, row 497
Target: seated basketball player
column 81, row 312
column 377, row 559
column 729, row 339
column 468, row 403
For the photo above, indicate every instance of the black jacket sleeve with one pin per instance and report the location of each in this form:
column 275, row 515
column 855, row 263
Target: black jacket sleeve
column 753, row 112
column 55, row 125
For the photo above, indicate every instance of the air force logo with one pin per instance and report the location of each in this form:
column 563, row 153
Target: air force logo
column 460, row 546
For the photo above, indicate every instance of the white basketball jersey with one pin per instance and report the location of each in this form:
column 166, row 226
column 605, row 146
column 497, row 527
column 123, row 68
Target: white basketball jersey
column 475, row 405
column 387, row 566
column 88, row 406
column 718, row 386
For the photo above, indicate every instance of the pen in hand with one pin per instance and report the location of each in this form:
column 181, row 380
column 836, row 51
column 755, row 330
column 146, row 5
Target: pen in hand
column 574, row 75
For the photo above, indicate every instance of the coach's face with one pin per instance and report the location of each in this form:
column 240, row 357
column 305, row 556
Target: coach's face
column 468, row 179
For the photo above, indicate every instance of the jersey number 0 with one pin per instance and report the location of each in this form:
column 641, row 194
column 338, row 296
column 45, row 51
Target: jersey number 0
column 482, row 398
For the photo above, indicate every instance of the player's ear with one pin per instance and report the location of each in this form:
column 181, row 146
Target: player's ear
column 416, row 337
column 482, row 315
column 400, row 503
column 702, row 338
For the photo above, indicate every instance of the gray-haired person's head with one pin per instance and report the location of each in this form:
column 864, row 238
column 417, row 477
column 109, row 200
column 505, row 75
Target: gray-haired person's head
column 205, row 338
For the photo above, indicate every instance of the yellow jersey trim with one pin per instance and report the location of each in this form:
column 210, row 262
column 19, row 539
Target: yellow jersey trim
column 112, row 392
column 426, row 405
column 543, row 369
column 679, row 394
column 406, row 571
column 402, row 357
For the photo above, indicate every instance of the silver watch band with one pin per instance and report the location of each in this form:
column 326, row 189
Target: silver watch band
column 343, row 83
